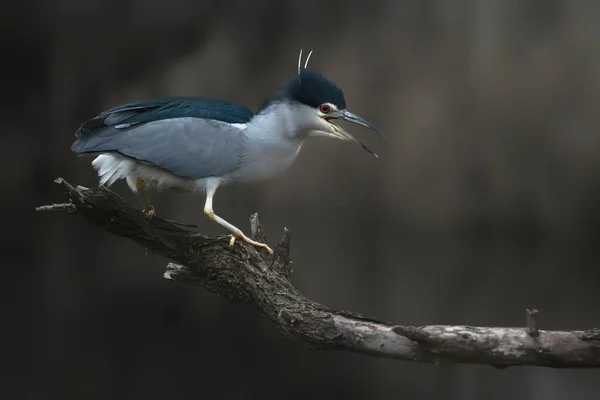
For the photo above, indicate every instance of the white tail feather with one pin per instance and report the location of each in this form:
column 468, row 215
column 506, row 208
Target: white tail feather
column 111, row 168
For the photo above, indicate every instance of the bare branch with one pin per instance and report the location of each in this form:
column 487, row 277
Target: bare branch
column 532, row 329
column 66, row 207
column 243, row 273
column 256, row 230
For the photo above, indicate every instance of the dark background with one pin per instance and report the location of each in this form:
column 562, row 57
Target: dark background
column 485, row 202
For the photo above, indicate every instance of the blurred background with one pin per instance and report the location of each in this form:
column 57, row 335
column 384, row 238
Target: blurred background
column 485, row 201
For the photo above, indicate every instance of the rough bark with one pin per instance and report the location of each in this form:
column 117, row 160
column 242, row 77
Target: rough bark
column 244, row 273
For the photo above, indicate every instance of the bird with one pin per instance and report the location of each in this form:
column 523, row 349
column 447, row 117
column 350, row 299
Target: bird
column 198, row 144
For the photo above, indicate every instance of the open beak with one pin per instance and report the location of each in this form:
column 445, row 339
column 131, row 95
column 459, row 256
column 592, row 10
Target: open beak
column 355, row 119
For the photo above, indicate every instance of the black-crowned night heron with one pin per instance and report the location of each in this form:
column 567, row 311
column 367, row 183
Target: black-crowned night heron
column 199, row 144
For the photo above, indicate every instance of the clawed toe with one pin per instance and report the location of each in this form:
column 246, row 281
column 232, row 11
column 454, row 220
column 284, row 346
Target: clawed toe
column 234, row 237
column 149, row 212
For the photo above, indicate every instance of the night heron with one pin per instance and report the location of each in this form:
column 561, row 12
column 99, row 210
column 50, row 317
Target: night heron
column 199, row 144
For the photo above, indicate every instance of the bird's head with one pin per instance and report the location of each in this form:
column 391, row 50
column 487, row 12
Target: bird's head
column 314, row 104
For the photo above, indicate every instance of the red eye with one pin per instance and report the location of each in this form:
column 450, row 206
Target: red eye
column 324, row 108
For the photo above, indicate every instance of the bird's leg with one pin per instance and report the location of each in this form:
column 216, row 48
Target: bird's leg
column 235, row 232
column 148, row 210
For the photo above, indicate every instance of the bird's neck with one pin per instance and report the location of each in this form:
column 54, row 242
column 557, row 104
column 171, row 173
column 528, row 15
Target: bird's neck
column 273, row 141
column 280, row 120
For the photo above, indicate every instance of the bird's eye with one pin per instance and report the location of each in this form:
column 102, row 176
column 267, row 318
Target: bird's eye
column 324, row 108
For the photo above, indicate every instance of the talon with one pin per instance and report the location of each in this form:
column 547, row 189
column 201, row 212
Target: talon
column 264, row 246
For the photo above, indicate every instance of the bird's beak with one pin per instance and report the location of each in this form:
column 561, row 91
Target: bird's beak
column 355, row 119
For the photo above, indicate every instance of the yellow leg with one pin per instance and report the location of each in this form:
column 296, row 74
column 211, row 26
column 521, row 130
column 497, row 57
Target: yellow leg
column 235, row 232
column 148, row 208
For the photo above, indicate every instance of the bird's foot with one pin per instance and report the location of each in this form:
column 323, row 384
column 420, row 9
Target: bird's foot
column 149, row 212
column 246, row 239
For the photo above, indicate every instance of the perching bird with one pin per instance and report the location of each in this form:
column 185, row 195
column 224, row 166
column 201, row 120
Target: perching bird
column 200, row 144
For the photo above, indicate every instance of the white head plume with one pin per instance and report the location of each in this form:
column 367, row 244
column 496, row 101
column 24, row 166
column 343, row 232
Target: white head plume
column 307, row 58
column 300, row 60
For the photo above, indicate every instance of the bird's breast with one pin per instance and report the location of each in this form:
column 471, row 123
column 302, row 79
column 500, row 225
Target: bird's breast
column 266, row 160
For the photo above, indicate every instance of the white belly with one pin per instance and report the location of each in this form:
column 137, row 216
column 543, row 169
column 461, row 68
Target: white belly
column 112, row 167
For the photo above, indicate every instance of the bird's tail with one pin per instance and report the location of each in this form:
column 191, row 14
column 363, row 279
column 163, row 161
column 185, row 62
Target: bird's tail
column 111, row 167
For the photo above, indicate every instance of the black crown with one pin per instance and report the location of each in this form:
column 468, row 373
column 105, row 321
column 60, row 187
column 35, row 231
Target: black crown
column 312, row 89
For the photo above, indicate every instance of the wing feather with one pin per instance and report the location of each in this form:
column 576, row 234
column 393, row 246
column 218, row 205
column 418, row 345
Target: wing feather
column 190, row 137
column 166, row 108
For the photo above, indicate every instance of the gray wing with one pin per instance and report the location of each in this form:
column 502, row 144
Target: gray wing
column 188, row 147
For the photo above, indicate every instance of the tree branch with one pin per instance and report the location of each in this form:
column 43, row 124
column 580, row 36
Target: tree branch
column 243, row 273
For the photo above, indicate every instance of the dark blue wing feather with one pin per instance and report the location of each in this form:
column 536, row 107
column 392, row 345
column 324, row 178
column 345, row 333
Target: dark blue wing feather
column 165, row 108
column 191, row 137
